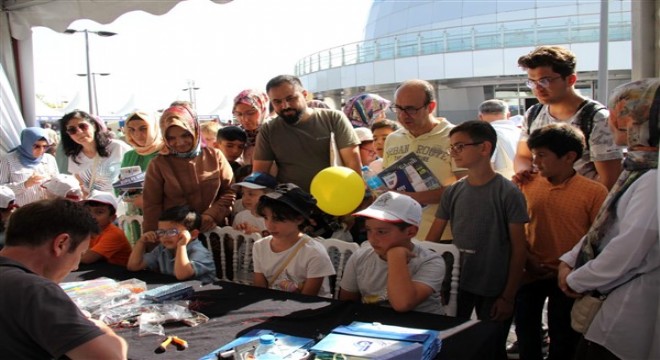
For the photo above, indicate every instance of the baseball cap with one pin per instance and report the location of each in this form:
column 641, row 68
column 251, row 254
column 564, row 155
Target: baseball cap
column 63, row 185
column 103, row 197
column 364, row 134
column 257, row 180
column 394, row 207
column 6, row 196
column 298, row 199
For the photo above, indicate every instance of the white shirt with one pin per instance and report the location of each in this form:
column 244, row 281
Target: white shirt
column 628, row 323
column 14, row 174
column 106, row 170
column 508, row 135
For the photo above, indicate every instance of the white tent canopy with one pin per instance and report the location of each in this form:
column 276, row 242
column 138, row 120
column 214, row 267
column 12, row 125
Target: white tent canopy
column 16, row 22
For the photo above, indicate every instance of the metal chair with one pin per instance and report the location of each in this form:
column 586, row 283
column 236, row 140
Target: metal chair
column 223, row 241
column 451, row 255
column 339, row 252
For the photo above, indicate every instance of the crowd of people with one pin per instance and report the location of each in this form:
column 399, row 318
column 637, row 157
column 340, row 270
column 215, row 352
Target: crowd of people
column 560, row 208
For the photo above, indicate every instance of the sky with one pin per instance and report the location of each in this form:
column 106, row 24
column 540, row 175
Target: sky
column 223, row 48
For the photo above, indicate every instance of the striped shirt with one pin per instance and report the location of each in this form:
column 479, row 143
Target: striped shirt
column 14, row 174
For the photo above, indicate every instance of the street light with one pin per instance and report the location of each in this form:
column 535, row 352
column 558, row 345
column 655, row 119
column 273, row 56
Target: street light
column 89, row 77
column 95, row 110
column 191, row 87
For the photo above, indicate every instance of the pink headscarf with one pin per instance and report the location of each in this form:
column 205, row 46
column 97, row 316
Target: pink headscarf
column 255, row 98
column 185, row 118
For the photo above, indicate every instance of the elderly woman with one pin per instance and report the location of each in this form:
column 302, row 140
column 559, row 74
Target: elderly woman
column 620, row 255
column 365, row 109
column 190, row 174
column 94, row 158
column 28, row 165
column 250, row 109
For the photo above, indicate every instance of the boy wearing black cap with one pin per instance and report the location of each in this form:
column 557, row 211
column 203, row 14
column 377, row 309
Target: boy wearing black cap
column 391, row 270
column 253, row 187
column 288, row 260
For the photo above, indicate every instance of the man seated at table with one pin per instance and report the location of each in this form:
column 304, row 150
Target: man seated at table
column 391, row 270
column 111, row 244
column 179, row 252
column 38, row 319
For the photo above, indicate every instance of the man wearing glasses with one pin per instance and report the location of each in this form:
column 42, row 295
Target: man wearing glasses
column 551, row 76
column 428, row 137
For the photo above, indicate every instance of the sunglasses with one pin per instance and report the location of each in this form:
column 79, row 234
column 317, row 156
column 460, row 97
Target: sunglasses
column 72, row 130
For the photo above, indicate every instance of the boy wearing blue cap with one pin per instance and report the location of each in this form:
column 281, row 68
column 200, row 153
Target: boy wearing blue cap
column 253, row 187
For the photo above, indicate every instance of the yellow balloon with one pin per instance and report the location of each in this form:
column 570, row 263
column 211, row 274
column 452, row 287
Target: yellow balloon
column 338, row 190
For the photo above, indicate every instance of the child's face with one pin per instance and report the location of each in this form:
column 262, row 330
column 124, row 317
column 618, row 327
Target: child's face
column 281, row 229
column 209, row 138
column 232, row 149
column 379, row 139
column 367, row 153
column 384, row 236
column 466, row 153
column 549, row 164
column 170, row 233
column 101, row 212
column 251, row 198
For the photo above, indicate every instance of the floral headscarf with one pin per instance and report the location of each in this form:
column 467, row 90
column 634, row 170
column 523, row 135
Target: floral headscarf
column 185, row 118
column 28, row 137
column 639, row 100
column 154, row 139
column 258, row 100
column 363, row 109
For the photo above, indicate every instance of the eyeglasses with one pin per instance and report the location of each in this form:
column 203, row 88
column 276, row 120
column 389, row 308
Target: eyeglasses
column 72, row 130
column 38, row 146
column 249, row 113
column 542, row 82
column 410, row 110
column 168, row 232
column 458, row 148
column 368, row 150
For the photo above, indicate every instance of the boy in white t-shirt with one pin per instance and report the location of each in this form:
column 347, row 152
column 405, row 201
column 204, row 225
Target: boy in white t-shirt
column 288, row 260
column 253, row 187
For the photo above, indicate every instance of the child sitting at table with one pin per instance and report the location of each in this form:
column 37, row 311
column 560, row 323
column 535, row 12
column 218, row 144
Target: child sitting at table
column 288, row 260
column 390, row 269
column 179, row 252
column 252, row 188
column 111, row 244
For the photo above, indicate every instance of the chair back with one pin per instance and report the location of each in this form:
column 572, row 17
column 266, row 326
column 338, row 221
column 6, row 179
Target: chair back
column 132, row 227
column 339, row 252
column 451, row 255
column 231, row 246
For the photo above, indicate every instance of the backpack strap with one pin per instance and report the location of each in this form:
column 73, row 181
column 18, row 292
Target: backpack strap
column 588, row 109
column 532, row 115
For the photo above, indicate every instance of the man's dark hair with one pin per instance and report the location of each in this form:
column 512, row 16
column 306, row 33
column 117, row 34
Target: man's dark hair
column 280, row 211
column 37, row 223
column 560, row 59
column 183, row 215
column 558, row 138
column 92, row 203
column 72, row 148
column 232, row 133
column 385, row 124
column 281, row 79
column 478, row 131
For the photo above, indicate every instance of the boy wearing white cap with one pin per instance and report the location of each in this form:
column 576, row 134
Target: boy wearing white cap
column 391, row 270
column 111, row 244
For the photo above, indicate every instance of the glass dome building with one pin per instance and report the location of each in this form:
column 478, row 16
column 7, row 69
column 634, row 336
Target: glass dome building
column 468, row 50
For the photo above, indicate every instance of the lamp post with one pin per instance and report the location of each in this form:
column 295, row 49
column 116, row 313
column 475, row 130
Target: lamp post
column 89, row 77
column 191, row 88
column 95, row 102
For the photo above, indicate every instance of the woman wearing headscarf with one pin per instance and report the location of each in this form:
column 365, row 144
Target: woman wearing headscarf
column 365, row 109
column 620, row 255
column 94, row 158
column 250, row 109
column 28, row 165
column 190, row 174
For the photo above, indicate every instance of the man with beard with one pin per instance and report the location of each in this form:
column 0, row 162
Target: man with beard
column 298, row 139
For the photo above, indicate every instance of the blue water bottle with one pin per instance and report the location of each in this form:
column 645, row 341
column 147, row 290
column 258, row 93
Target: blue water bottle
column 267, row 349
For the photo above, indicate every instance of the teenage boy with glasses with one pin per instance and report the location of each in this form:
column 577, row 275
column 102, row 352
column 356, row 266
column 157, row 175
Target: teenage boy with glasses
column 488, row 215
column 428, row 137
column 551, row 76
